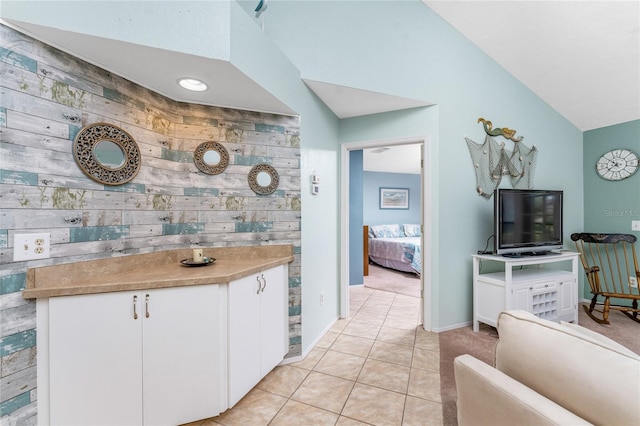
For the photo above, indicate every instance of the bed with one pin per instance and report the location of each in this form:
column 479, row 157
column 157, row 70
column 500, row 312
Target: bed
column 395, row 246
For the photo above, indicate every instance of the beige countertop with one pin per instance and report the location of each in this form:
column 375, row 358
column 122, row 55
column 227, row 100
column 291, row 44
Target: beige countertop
column 152, row 270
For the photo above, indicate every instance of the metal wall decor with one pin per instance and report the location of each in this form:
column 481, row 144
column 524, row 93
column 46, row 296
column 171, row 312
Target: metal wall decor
column 263, row 179
column 107, row 154
column 211, row 158
column 506, row 132
column 492, row 160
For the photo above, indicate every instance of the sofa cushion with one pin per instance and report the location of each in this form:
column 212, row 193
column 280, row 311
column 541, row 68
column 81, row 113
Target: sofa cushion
column 598, row 337
column 487, row 396
column 585, row 375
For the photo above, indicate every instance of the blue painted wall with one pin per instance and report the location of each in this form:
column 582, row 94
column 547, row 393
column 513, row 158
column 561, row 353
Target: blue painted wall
column 372, row 182
column 404, row 49
column 610, row 206
column 420, row 56
column 356, row 268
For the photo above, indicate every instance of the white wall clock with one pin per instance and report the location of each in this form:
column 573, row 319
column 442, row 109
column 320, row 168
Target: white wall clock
column 617, row 164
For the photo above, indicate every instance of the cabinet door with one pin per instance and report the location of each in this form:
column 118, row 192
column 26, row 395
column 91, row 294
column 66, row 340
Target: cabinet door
column 567, row 300
column 273, row 319
column 243, row 336
column 521, row 298
column 181, row 359
column 95, row 360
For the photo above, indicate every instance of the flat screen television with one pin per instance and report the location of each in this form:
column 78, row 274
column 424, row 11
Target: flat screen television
column 527, row 221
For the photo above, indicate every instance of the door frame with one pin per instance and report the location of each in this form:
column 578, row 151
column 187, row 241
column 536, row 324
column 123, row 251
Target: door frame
column 425, row 279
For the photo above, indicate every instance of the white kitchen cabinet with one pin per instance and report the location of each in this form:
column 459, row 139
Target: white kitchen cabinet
column 257, row 328
column 136, row 357
column 95, row 359
column 542, row 285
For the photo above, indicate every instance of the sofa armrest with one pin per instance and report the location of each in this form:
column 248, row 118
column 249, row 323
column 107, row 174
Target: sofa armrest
column 584, row 374
column 487, row 396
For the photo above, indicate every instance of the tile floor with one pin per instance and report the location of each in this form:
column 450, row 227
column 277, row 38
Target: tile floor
column 376, row 368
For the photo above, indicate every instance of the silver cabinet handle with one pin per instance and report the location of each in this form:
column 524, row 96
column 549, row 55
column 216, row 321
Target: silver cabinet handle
column 146, row 306
column 264, row 283
column 259, row 284
column 135, row 303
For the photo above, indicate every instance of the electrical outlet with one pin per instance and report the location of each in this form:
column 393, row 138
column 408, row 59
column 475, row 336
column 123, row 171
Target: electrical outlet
column 31, row 246
column 635, row 225
column 633, row 282
column 321, row 298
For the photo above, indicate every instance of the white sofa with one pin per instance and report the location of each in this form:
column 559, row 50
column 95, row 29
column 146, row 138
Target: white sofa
column 549, row 373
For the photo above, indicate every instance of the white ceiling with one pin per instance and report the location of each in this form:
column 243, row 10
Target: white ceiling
column 134, row 62
column 392, row 159
column 581, row 57
column 348, row 102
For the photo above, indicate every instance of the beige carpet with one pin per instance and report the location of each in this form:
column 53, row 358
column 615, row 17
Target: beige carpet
column 481, row 345
column 386, row 279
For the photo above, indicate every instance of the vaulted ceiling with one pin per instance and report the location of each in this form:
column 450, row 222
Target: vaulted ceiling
column 581, row 57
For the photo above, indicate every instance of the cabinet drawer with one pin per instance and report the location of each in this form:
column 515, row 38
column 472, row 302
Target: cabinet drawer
column 544, row 287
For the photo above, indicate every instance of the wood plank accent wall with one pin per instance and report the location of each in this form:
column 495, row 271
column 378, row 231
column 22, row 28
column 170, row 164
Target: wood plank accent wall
column 46, row 97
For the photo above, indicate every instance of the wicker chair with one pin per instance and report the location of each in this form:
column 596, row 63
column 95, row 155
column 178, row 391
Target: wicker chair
column 611, row 266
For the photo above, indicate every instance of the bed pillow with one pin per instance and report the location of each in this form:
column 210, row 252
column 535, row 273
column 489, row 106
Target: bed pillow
column 411, row 230
column 387, row 231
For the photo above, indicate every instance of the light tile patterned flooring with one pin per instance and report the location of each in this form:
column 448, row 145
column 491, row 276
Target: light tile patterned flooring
column 377, row 368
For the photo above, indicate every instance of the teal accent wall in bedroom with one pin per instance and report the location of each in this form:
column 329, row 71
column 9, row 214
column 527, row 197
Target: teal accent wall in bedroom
column 356, row 267
column 610, row 206
column 364, row 207
column 371, row 184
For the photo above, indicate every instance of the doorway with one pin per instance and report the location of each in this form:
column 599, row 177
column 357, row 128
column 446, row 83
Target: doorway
column 425, row 277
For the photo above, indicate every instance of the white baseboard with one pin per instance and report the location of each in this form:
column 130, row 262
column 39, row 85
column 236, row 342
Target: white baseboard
column 311, row 346
column 453, row 327
column 468, row 323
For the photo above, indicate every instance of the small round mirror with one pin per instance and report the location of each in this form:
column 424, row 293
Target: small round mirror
column 263, row 179
column 211, row 157
column 109, row 154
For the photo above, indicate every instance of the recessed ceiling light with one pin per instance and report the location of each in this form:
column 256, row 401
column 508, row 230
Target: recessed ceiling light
column 192, row 84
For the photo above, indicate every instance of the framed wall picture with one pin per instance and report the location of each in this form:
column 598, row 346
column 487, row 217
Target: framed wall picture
column 394, row 198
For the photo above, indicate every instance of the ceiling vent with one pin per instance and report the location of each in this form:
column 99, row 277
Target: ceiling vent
column 380, row 150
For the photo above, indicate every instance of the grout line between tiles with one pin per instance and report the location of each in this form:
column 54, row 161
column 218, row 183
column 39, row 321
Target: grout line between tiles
column 380, row 301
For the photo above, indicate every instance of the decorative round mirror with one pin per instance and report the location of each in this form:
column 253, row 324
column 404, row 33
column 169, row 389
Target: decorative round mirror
column 109, row 154
column 106, row 154
column 211, row 158
column 263, row 179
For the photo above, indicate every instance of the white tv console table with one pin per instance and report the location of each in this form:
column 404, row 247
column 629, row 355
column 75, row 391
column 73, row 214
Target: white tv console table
column 550, row 293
